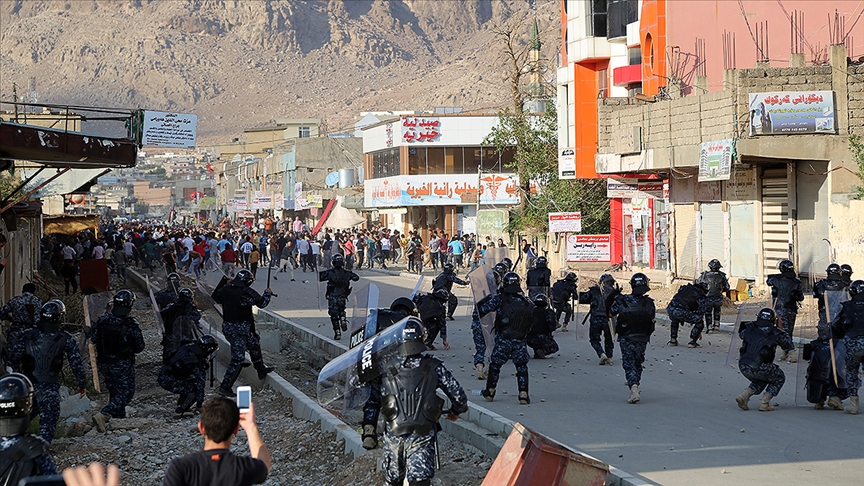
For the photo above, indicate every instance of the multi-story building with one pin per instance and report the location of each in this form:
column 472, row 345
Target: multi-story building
column 630, row 52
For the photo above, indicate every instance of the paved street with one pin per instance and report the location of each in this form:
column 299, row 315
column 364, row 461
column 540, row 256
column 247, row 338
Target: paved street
column 687, row 428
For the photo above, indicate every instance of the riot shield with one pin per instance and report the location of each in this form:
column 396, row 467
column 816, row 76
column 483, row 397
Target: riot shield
column 495, row 255
column 364, row 318
column 833, row 303
column 806, row 332
column 417, row 287
column 321, row 289
column 482, row 281
column 545, row 290
column 343, row 382
column 581, row 323
column 746, row 313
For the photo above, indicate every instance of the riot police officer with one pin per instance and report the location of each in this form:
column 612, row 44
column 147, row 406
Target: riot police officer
column 540, row 336
column 687, row 305
column 539, row 278
column 432, row 309
column 238, row 326
column 512, row 323
column 477, row 328
column 118, row 339
column 759, row 341
column 40, row 351
column 846, row 273
column 634, row 327
column 338, row 288
column 169, row 294
column 399, row 309
column 849, row 325
column 717, row 284
column 786, row 293
column 181, row 323
column 22, row 310
column 21, row 455
column 601, row 297
column 185, row 373
column 563, row 292
column 407, row 396
column 832, row 283
column 445, row 281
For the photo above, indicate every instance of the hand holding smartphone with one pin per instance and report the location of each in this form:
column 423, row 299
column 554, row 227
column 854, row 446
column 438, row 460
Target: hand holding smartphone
column 244, row 398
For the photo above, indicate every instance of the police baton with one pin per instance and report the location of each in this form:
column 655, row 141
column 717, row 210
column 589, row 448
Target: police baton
column 269, row 268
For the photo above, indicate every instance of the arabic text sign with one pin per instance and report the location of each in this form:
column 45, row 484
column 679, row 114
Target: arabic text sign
column 567, row 164
column 440, row 190
column 715, row 161
column 565, row 222
column 163, row 129
column 792, row 112
column 418, row 130
column 589, row 248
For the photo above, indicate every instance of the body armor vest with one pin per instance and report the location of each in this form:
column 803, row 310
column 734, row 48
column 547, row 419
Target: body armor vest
column 337, row 282
column 410, row 404
column 45, row 356
column 430, row 307
column 635, row 319
column 759, row 345
column 112, row 339
column 186, row 359
column 783, row 290
column 562, row 291
column 514, row 317
column 715, row 282
column 538, row 277
column 853, row 312
column 443, row 282
column 232, row 311
column 688, row 297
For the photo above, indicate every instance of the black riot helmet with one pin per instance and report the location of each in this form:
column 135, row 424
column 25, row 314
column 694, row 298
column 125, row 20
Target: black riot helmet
column 786, row 266
column 245, row 276
column 856, row 290
column 541, row 262
column 834, row 272
column 174, row 278
column 701, row 285
column 208, row 343
column 448, row 267
column 123, row 302
column 51, row 316
column 337, row 260
column 766, row 316
column 511, row 278
column 185, row 295
column 413, row 338
column 607, row 280
column 441, row 294
column 846, row 270
column 404, row 305
column 639, row 283
column 540, row 300
column 508, row 263
column 16, row 403
column 571, row 277
column 500, row 268
column 714, row 265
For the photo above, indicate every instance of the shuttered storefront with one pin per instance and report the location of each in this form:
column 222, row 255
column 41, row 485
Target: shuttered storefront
column 775, row 217
column 713, row 237
column 686, row 241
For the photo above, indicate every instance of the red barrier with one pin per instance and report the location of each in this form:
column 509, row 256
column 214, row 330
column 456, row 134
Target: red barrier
column 531, row 459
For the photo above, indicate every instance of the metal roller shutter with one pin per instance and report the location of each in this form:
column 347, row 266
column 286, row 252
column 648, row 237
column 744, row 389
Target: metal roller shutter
column 712, row 238
column 685, row 241
column 775, row 217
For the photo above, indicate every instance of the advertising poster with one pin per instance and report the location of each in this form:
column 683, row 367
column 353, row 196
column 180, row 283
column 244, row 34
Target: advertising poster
column 162, row 129
column 794, row 112
column 589, row 248
column 715, row 161
column 565, row 222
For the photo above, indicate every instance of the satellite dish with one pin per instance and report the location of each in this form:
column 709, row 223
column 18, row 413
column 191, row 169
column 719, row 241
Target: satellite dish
column 332, row 179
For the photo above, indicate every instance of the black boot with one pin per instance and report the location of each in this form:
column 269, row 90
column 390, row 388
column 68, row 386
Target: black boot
column 263, row 369
column 184, row 407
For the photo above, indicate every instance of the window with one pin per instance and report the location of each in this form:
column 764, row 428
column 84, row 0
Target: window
column 305, row 132
column 472, row 159
column 453, row 161
column 603, row 83
column 417, row 161
column 596, row 18
column 619, row 14
column 648, row 52
column 385, row 163
column 634, row 56
column 435, row 159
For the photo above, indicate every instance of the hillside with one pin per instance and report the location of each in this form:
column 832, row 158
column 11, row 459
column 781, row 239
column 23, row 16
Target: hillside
column 243, row 63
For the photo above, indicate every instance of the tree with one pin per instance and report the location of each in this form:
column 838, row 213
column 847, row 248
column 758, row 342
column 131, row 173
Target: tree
column 536, row 160
column 857, row 148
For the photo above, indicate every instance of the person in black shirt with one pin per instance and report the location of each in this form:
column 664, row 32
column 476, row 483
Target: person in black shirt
column 220, row 422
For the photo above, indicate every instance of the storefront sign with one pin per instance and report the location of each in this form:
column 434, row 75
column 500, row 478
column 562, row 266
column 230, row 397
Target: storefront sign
column 567, row 164
column 265, row 203
column 418, row 130
column 633, row 189
column 565, row 222
column 589, row 248
column 741, row 186
column 240, row 204
column 440, row 190
column 715, row 161
column 163, row 129
column 792, row 113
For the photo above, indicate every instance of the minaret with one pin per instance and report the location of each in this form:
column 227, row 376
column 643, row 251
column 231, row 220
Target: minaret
column 535, row 86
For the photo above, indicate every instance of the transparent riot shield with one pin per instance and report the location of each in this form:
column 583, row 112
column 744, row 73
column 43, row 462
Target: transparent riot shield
column 364, row 318
column 495, row 255
column 343, row 382
column 417, row 287
column 813, row 358
column 321, row 289
column 834, row 300
column 746, row 313
column 482, row 281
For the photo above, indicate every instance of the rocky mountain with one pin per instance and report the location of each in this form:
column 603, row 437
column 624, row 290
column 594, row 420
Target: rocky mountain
column 242, row 63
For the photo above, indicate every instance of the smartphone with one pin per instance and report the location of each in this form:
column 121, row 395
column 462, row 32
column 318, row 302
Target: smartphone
column 244, row 398
column 55, row 480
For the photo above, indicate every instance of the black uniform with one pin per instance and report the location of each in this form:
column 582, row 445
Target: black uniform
column 338, row 289
column 238, row 326
column 688, row 305
column 512, row 324
column 118, row 339
column 563, row 292
column 540, row 336
column 759, row 341
column 822, row 286
column 786, row 293
column 166, row 296
column 717, row 284
column 601, row 299
column 181, row 327
column 849, row 325
column 537, row 279
column 432, row 310
column 634, row 327
column 445, row 281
